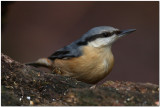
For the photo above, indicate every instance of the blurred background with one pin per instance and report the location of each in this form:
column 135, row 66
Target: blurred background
column 31, row 30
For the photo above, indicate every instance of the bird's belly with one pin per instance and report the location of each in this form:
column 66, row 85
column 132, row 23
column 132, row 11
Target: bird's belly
column 86, row 72
column 89, row 71
column 89, row 68
column 92, row 75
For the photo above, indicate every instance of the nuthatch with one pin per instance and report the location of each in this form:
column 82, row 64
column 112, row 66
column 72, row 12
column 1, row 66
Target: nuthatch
column 88, row 59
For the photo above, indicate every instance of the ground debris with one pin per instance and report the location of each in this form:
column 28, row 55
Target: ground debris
column 26, row 85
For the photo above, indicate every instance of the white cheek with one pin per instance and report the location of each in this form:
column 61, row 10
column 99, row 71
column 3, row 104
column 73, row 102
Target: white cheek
column 102, row 41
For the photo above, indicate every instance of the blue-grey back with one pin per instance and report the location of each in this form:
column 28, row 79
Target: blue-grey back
column 74, row 49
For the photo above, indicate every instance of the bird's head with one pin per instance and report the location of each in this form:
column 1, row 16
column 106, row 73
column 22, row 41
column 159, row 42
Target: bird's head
column 104, row 36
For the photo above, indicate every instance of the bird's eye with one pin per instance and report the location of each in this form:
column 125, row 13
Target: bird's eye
column 106, row 34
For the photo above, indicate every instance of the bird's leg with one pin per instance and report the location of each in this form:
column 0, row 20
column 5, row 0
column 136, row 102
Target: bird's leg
column 98, row 84
column 57, row 70
column 92, row 87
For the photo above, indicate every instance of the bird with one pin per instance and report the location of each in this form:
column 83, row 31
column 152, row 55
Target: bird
column 88, row 59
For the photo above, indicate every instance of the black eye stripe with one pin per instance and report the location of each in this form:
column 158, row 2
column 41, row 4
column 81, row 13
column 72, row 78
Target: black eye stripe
column 102, row 35
column 107, row 34
column 117, row 32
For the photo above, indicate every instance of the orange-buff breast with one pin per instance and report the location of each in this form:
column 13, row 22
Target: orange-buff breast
column 91, row 67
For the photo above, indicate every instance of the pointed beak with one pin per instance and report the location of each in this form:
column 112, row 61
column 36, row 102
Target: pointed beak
column 126, row 32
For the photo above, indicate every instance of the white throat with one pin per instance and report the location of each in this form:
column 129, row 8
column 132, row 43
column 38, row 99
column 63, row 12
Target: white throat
column 99, row 42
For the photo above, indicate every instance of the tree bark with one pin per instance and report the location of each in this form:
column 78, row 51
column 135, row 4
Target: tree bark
column 26, row 85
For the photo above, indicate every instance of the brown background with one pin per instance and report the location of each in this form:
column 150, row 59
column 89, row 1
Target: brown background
column 37, row 29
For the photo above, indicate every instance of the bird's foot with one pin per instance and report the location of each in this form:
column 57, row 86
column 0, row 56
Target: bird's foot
column 93, row 87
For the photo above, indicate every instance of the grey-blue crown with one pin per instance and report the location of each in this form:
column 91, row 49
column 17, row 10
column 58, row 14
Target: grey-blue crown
column 99, row 30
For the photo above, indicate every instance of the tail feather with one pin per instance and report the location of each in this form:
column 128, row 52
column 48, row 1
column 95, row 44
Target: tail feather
column 33, row 64
column 42, row 62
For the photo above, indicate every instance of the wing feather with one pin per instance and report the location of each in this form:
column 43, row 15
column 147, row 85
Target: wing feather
column 67, row 52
